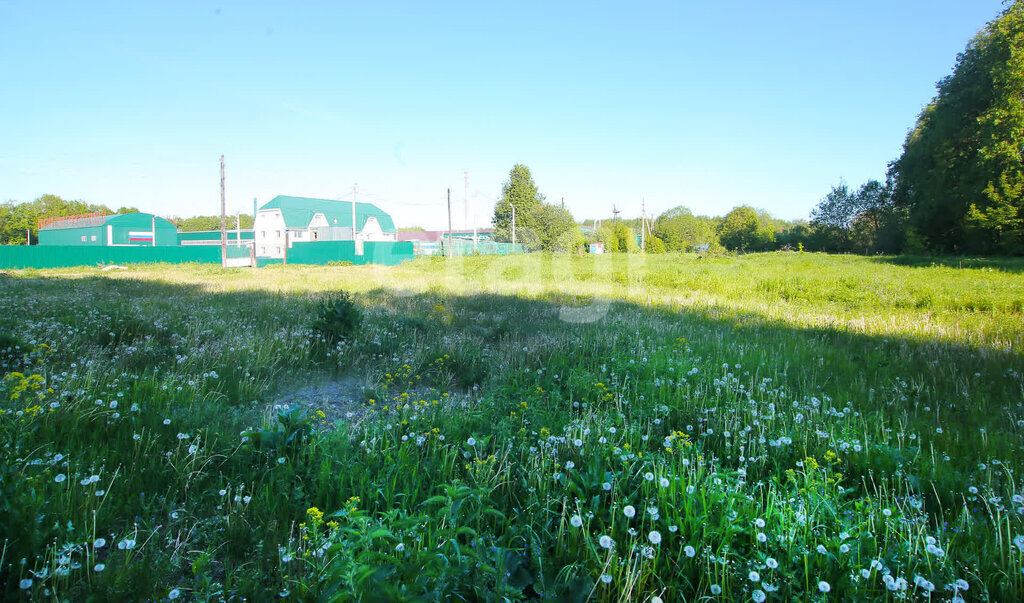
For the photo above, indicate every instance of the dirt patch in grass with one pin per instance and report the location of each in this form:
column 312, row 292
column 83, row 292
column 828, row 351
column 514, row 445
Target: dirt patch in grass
column 340, row 398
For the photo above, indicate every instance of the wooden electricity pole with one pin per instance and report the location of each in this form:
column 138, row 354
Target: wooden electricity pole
column 355, row 243
column 450, row 223
column 643, row 223
column 223, row 220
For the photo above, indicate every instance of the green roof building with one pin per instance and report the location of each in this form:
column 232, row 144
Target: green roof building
column 136, row 230
column 285, row 221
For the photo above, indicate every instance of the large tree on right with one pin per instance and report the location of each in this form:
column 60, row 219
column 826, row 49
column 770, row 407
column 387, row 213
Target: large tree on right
column 961, row 174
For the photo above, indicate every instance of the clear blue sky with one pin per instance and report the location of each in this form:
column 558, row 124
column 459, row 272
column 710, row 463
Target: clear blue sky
column 707, row 105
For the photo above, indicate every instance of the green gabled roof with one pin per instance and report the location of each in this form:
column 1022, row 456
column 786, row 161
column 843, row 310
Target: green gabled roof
column 299, row 211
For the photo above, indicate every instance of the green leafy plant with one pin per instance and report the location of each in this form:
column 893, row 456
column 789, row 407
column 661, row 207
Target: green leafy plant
column 338, row 317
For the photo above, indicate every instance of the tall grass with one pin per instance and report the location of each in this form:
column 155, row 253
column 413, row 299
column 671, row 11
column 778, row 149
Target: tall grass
column 768, row 427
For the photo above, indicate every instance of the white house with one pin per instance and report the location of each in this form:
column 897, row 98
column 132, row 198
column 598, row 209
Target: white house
column 289, row 220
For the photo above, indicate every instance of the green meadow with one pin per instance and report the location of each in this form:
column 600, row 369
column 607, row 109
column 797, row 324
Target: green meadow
column 767, row 427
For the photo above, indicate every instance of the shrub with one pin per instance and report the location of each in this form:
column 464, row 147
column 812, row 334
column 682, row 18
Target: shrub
column 338, row 317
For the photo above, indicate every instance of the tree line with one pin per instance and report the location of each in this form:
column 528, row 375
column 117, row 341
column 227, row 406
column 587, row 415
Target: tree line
column 20, row 220
column 539, row 225
column 958, row 186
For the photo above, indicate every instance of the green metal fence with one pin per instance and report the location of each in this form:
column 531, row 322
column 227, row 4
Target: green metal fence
column 386, row 253
column 479, row 248
column 323, row 252
column 59, row 256
column 238, row 251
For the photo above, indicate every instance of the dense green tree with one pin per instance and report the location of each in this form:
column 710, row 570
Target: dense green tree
column 617, row 237
column 795, row 235
column 556, row 229
column 519, row 191
column 862, row 221
column 18, row 218
column 212, row 223
column 539, row 225
column 656, row 245
column 745, row 230
column 961, row 175
column 680, row 230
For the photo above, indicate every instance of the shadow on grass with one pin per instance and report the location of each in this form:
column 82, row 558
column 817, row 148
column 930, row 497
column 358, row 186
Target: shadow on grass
column 513, row 348
column 1014, row 265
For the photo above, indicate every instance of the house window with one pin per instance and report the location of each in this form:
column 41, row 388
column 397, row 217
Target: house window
column 277, row 234
column 83, row 238
column 93, row 238
column 263, row 234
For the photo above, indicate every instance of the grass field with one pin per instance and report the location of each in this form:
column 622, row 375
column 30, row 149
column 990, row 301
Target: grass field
column 618, row 428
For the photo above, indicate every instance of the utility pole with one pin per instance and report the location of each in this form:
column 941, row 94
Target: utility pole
column 465, row 203
column 563, row 201
column 643, row 223
column 28, row 236
column 355, row 243
column 450, row 223
column 238, row 229
column 223, row 220
column 513, row 224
